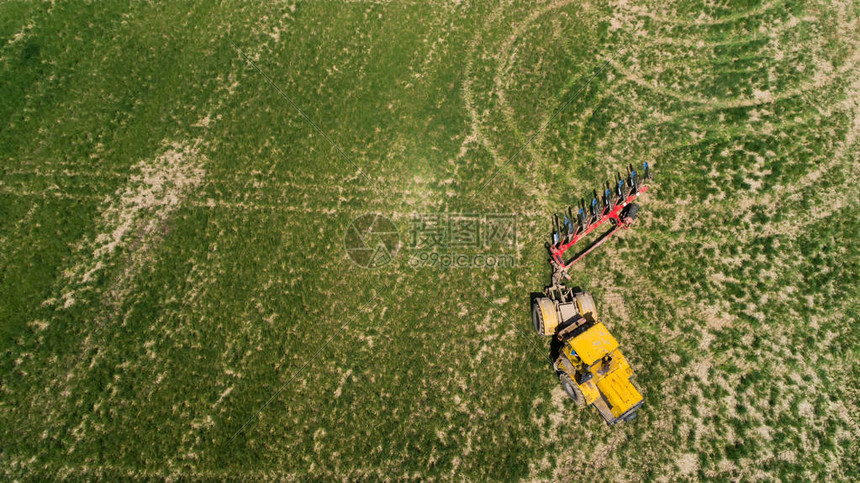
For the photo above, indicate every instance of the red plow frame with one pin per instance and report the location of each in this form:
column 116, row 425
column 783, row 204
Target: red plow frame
column 617, row 208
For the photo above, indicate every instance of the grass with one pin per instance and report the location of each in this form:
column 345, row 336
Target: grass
column 175, row 299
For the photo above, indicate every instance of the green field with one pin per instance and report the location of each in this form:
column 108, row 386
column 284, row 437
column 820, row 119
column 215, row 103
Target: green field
column 177, row 178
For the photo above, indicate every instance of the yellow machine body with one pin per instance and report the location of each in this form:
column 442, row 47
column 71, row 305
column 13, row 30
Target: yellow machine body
column 594, row 363
column 594, row 344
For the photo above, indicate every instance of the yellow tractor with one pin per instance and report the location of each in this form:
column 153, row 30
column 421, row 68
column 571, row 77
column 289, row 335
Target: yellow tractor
column 590, row 366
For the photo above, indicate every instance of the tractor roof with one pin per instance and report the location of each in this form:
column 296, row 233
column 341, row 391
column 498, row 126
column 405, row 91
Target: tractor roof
column 594, row 343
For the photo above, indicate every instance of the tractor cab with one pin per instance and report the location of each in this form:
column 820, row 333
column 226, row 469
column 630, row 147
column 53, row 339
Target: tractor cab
column 601, row 374
column 590, row 366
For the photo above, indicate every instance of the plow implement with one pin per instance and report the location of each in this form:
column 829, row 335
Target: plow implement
column 615, row 206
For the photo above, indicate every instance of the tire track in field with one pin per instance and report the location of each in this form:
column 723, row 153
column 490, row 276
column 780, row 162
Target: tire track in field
column 477, row 119
column 851, row 106
column 503, row 66
column 134, row 223
column 759, row 98
column 702, row 21
column 506, row 56
column 824, row 76
column 130, row 225
column 133, row 219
